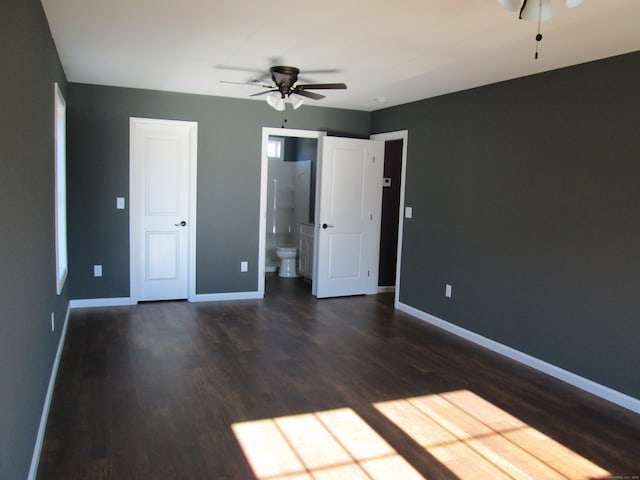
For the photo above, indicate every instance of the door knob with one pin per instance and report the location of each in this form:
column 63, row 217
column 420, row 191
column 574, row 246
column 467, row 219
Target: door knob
column 325, row 226
column 181, row 224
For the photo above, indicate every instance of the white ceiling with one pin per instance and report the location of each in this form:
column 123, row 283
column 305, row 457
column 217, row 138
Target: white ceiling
column 402, row 50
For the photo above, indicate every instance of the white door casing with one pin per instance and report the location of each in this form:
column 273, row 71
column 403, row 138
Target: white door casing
column 348, row 210
column 163, row 157
column 404, row 136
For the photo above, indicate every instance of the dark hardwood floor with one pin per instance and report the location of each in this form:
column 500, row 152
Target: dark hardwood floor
column 171, row 390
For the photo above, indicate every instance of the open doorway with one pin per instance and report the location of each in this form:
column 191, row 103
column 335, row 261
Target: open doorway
column 287, row 201
column 392, row 211
column 268, row 224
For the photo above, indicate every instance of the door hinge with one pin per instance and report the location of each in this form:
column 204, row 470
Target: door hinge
column 371, row 216
column 374, row 159
column 368, row 273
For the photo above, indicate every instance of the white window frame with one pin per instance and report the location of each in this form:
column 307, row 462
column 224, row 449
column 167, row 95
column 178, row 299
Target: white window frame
column 60, row 135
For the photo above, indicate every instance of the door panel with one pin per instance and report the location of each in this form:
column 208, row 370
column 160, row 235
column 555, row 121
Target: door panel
column 163, row 171
column 344, row 263
column 347, row 188
column 349, row 205
column 163, row 256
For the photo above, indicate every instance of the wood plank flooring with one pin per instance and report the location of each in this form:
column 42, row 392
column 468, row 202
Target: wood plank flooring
column 293, row 387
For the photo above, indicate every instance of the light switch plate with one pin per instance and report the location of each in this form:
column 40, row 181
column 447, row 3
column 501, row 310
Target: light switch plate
column 120, row 203
column 447, row 290
column 97, row 270
column 408, row 212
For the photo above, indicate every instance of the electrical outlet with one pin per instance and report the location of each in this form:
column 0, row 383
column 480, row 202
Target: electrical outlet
column 97, row 270
column 447, row 290
column 53, row 322
column 244, row 266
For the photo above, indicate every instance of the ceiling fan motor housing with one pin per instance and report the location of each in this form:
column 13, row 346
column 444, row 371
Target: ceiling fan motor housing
column 284, row 77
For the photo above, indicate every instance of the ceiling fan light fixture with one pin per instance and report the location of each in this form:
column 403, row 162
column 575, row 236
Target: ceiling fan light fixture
column 296, row 100
column 275, row 100
column 536, row 11
column 511, row 5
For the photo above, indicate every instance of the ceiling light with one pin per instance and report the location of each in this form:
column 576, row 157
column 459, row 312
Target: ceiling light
column 276, row 100
column 296, row 100
column 535, row 11
column 511, row 5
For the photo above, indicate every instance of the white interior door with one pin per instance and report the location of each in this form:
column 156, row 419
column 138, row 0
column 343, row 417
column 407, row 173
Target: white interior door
column 349, row 204
column 162, row 157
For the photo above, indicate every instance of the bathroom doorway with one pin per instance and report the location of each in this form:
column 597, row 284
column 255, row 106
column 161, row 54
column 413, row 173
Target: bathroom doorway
column 280, row 234
column 288, row 191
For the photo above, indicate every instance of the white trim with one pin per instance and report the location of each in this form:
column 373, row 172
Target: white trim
column 404, row 136
column 102, row 302
column 219, row 297
column 193, row 198
column 264, row 174
column 582, row 383
column 37, row 449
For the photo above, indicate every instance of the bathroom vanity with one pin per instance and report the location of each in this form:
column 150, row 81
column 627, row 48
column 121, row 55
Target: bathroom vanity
column 305, row 251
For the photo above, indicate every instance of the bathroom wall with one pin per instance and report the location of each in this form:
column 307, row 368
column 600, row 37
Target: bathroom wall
column 289, row 194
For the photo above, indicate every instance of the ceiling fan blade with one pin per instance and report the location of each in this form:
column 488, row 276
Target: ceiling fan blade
column 238, row 69
column 326, row 70
column 260, row 74
column 305, row 93
column 264, row 93
column 322, row 86
column 252, row 84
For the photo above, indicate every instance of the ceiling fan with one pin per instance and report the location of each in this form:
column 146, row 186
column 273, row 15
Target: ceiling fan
column 284, row 86
column 535, row 11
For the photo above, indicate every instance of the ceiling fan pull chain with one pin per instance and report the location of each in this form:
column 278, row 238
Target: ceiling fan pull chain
column 539, row 35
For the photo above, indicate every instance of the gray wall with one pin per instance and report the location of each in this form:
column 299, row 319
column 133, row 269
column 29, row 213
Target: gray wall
column 30, row 66
column 526, row 198
column 229, row 145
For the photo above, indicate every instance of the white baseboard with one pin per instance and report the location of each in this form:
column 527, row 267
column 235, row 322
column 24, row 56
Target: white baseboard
column 390, row 289
column 218, row 297
column 37, row 450
column 585, row 384
column 125, row 301
column 102, row 302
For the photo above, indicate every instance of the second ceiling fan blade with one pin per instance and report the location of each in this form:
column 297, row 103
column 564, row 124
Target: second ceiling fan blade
column 305, row 93
column 253, row 84
column 322, row 86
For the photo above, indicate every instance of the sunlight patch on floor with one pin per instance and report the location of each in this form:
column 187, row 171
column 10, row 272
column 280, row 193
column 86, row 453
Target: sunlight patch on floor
column 328, row 445
column 475, row 439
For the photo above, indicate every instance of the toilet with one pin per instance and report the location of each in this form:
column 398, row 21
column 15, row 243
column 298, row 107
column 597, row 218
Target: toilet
column 287, row 256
